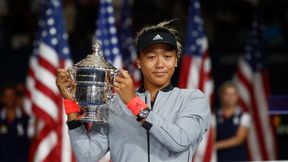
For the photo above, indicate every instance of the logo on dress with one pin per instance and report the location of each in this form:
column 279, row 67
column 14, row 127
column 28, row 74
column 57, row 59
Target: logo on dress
column 236, row 121
column 157, row 37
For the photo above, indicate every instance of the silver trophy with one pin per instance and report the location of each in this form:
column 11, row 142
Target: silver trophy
column 94, row 78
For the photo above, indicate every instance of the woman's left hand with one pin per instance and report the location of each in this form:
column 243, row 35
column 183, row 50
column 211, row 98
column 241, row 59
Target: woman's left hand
column 124, row 86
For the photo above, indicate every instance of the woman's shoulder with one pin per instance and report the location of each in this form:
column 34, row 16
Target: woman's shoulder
column 189, row 92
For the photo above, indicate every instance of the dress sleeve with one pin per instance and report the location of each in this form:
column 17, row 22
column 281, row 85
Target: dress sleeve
column 88, row 146
column 245, row 120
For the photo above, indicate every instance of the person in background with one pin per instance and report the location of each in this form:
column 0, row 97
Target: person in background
column 232, row 126
column 14, row 145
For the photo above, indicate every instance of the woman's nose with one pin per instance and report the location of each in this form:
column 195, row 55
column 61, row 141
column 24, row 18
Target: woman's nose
column 159, row 62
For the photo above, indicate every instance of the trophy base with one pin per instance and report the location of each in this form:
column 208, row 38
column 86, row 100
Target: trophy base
column 96, row 114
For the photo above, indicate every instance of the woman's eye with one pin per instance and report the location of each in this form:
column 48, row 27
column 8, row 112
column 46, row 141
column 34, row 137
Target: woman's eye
column 167, row 56
column 151, row 57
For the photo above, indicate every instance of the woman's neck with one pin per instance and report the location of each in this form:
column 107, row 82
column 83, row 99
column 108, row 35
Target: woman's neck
column 11, row 114
column 153, row 89
column 228, row 110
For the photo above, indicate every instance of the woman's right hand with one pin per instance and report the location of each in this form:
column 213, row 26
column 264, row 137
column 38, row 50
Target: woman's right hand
column 65, row 84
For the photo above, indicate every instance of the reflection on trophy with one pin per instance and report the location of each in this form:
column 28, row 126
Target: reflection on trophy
column 94, row 78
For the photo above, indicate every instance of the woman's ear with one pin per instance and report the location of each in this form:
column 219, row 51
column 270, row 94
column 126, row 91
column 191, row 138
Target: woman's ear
column 138, row 62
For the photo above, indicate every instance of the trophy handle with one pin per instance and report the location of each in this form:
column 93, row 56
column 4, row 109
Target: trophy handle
column 114, row 73
column 72, row 74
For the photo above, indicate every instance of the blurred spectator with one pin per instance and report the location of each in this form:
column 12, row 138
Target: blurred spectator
column 232, row 127
column 13, row 127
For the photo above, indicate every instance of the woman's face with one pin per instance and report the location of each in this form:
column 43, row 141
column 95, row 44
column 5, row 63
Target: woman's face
column 157, row 63
column 229, row 96
column 9, row 98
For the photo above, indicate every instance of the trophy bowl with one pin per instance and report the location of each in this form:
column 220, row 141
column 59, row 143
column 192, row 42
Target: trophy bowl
column 94, row 78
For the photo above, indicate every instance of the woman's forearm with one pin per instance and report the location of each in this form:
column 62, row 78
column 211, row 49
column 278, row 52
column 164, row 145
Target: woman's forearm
column 238, row 139
column 228, row 143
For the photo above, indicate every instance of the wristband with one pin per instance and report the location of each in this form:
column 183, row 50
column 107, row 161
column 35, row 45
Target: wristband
column 136, row 105
column 71, row 106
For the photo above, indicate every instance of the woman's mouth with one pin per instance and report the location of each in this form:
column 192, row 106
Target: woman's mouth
column 159, row 74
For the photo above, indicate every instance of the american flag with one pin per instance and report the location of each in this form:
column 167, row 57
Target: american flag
column 43, row 99
column 106, row 33
column 196, row 73
column 127, row 47
column 252, row 81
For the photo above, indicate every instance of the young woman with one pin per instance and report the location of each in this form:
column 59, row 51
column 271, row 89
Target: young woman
column 157, row 123
column 232, row 126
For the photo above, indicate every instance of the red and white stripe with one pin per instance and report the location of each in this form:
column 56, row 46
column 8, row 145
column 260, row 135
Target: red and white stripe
column 44, row 102
column 205, row 151
column 254, row 90
column 196, row 73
